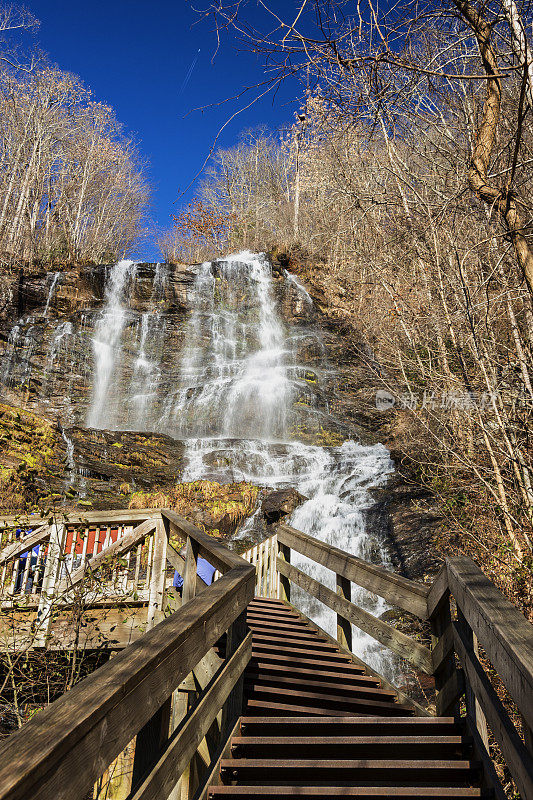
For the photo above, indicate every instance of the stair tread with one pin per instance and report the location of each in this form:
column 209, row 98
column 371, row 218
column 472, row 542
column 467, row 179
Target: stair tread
column 312, row 641
column 307, row 683
column 347, row 791
column 369, row 720
column 375, row 739
column 274, row 655
column 329, row 698
column 348, row 763
column 308, row 710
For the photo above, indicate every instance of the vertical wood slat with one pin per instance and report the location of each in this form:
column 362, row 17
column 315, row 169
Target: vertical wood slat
column 344, row 627
column 96, row 539
column 254, row 562
column 38, row 568
column 284, row 552
column 52, row 571
column 149, row 563
column 191, row 565
column 157, row 584
column 440, row 623
column 473, row 709
column 14, row 573
column 137, row 566
column 26, row 573
column 266, row 553
column 273, row 571
column 85, row 545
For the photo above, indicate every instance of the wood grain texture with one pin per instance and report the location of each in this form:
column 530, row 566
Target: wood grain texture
column 62, row 751
column 517, row 757
column 502, row 631
column 399, row 591
column 398, row 642
column 184, row 743
column 217, row 555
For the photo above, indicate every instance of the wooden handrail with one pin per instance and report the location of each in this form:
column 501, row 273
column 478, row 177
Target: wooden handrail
column 502, row 631
column 484, row 616
column 400, row 591
column 398, row 642
column 125, row 516
column 66, row 747
column 217, row 555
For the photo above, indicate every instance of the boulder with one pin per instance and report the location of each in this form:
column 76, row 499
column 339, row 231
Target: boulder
column 280, row 503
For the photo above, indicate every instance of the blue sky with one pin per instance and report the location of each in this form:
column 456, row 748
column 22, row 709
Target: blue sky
column 136, row 55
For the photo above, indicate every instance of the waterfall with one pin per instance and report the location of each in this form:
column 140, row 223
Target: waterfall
column 51, row 291
column 240, row 379
column 106, row 344
column 62, row 332
column 242, row 400
column 147, row 365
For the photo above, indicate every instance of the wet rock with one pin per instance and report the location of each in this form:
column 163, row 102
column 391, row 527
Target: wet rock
column 280, row 503
column 109, row 465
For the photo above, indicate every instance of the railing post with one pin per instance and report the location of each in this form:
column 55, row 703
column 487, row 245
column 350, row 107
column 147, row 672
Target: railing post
column 233, row 706
column 344, row 627
column 189, row 575
column 52, row 571
column 440, row 620
column 150, row 742
column 473, row 709
column 157, row 582
column 284, row 552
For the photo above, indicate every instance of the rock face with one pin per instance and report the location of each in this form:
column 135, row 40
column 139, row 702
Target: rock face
column 47, row 366
column 280, row 503
column 111, row 465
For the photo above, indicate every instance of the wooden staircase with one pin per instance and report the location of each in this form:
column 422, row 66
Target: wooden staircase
column 233, row 692
column 316, row 725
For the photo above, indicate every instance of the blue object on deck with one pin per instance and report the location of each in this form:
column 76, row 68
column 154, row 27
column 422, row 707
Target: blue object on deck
column 204, row 570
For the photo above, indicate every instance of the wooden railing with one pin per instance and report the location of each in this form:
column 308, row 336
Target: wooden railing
column 466, row 615
column 473, row 629
column 161, row 695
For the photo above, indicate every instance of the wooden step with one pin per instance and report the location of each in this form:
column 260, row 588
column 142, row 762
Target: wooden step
column 286, row 669
column 307, row 699
column 350, row 726
column 261, row 678
column 381, row 771
column 269, row 602
column 286, row 632
column 326, row 792
column 305, row 747
column 295, row 642
column 297, row 661
column 258, row 621
column 290, row 708
column 283, row 648
column 318, row 697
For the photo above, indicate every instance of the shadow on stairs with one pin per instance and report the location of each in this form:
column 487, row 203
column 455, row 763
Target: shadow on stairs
column 317, row 726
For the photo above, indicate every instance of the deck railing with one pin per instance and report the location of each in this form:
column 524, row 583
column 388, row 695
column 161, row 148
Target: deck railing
column 466, row 614
column 473, row 628
column 64, row 750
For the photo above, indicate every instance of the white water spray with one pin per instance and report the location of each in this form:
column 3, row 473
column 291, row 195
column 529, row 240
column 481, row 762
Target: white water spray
column 107, row 346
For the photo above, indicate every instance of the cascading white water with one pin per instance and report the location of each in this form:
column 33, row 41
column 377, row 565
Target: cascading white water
column 51, row 292
column 241, row 395
column 243, row 389
column 147, row 365
column 106, row 346
column 62, row 334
